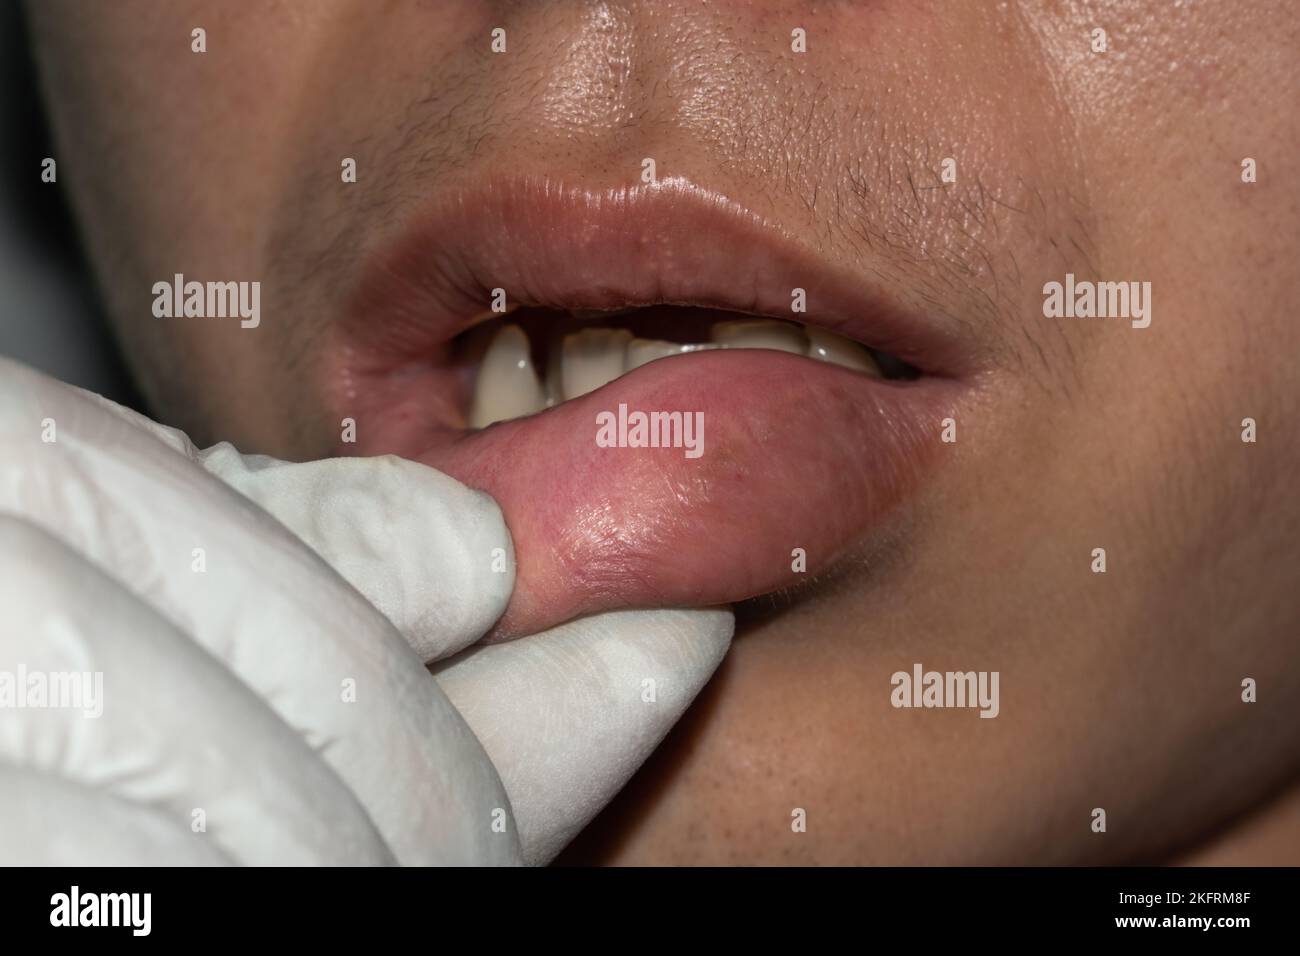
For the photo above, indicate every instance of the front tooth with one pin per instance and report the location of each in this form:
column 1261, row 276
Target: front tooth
column 760, row 334
column 507, row 385
column 591, row 358
column 836, row 349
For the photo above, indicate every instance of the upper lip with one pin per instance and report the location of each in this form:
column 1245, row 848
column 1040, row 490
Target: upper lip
column 802, row 454
column 666, row 243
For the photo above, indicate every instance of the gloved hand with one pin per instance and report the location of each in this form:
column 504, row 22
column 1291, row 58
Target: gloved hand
column 261, row 698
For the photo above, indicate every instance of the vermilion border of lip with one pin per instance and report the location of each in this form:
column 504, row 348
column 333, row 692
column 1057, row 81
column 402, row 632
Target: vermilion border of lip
column 561, row 246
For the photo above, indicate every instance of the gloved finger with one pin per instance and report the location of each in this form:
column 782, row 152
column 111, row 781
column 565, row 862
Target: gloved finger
column 51, row 821
column 568, row 715
column 108, row 696
column 130, row 500
column 431, row 554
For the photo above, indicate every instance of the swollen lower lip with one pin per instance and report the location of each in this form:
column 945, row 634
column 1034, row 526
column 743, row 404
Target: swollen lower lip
column 597, row 528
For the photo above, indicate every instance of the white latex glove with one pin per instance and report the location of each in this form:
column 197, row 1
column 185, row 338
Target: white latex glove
column 247, row 685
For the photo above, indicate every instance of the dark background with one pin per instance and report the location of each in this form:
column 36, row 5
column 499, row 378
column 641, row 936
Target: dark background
column 49, row 316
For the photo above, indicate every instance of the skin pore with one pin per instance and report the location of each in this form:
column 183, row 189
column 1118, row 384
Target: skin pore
column 1119, row 690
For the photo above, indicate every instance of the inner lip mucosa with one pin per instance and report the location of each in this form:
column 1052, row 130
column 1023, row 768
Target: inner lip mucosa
column 531, row 359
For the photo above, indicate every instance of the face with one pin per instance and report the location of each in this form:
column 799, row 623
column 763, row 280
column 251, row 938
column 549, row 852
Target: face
column 988, row 478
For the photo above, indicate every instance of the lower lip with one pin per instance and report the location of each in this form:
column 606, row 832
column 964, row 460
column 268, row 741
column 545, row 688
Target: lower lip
column 796, row 454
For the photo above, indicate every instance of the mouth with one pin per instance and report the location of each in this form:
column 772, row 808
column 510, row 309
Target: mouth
column 510, row 336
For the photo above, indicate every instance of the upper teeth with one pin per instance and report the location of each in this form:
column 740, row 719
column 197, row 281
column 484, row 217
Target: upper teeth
column 762, row 334
column 507, row 381
column 508, row 385
column 829, row 347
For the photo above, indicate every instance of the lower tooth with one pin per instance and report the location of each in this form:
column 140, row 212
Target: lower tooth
column 836, row 349
column 760, row 334
column 507, row 385
column 591, row 358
